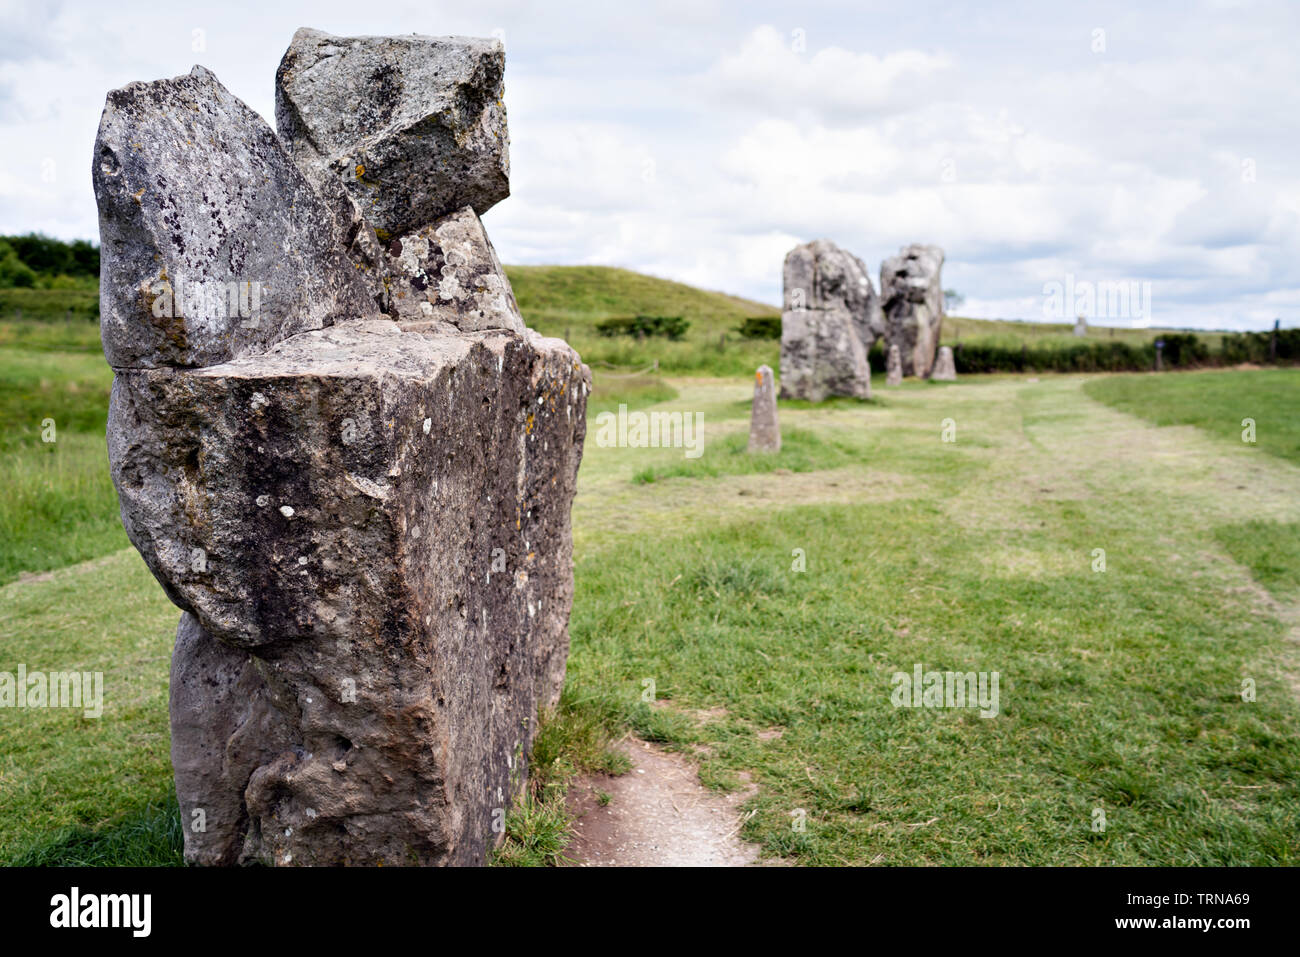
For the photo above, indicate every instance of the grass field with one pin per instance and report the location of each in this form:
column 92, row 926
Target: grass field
column 1120, row 689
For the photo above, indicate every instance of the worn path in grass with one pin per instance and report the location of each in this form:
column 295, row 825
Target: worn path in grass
column 1121, row 687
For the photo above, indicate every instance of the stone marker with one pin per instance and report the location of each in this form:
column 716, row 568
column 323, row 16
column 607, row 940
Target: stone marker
column 894, row 366
column 1081, row 326
column 911, row 293
column 945, row 369
column 831, row 318
column 764, row 428
column 365, row 521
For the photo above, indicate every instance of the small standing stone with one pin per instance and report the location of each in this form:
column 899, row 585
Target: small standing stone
column 894, row 366
column 945, row 369
column 1081, row 326
column 764, row 429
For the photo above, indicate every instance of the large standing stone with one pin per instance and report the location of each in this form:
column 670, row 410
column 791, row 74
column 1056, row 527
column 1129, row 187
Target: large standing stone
column 894, row 366
column 945, row 369
column 414, row 127
column 911, row 293
column 365, row 522
column 820, row 275
column 831, row 318
column 764, row 428
column 212, row 243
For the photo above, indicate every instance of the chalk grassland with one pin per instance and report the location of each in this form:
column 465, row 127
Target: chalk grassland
column 1120, row 690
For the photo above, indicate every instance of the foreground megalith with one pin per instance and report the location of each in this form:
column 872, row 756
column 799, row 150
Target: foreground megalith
column 911, row 295
column 363, row 515
column 830, row 318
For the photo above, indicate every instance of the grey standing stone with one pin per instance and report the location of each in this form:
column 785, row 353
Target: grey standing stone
column 911, row 293
column 212, row 243
column 894, row 366
column 1081, row 326
column 365, row 522
column 945, row 369
column 764, row 427
column 831, row 318
column 413, row 127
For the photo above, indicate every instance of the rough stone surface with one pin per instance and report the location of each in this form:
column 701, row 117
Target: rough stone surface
column 894, row 366
column 195, row 194
column 449, row 272
column 945, row 369
column 364, row 521
column 911, row 293
column 332, row 509
column 820, row 275
column 413, row 127
column 822, row 356
column 764, row 428
column 831, row 319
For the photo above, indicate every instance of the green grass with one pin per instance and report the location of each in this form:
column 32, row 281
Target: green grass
column 801, row 451
column 1120, row 689
column 58, row 505
column 1271, row 550
column 1216, row 401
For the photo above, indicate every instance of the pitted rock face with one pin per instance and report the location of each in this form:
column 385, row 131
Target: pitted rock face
column 822, row 356
column 831, row 319
column 383, row 523
column 911, row 293
column 413, row 127
column 213, row 244
column 365, row 522
column 449, row 272
column 821, row 275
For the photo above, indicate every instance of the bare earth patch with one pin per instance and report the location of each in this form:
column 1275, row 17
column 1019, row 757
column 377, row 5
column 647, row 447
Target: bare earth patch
column 657, row 815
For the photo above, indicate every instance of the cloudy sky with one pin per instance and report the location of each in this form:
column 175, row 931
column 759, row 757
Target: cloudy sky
column 1038, row 144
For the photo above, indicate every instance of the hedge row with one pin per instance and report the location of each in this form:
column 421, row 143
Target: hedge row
column 1181, row 351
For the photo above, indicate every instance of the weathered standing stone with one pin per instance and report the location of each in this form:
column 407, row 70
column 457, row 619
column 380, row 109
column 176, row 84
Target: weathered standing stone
column 822, row 356
column 333, row 511
column 945, row 369
column 1081, row 326
column 213, row 245
column 831, row 318
column 820, row 275
column 413, row 127
column 911, row 294
column 764, row 428
column 894, row 366
column 366, row 524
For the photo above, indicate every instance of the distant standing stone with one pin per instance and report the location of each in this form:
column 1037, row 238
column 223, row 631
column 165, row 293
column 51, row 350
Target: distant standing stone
column 945, row 370
column 764, row 429
column 894, row 366
column 1081, row 326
